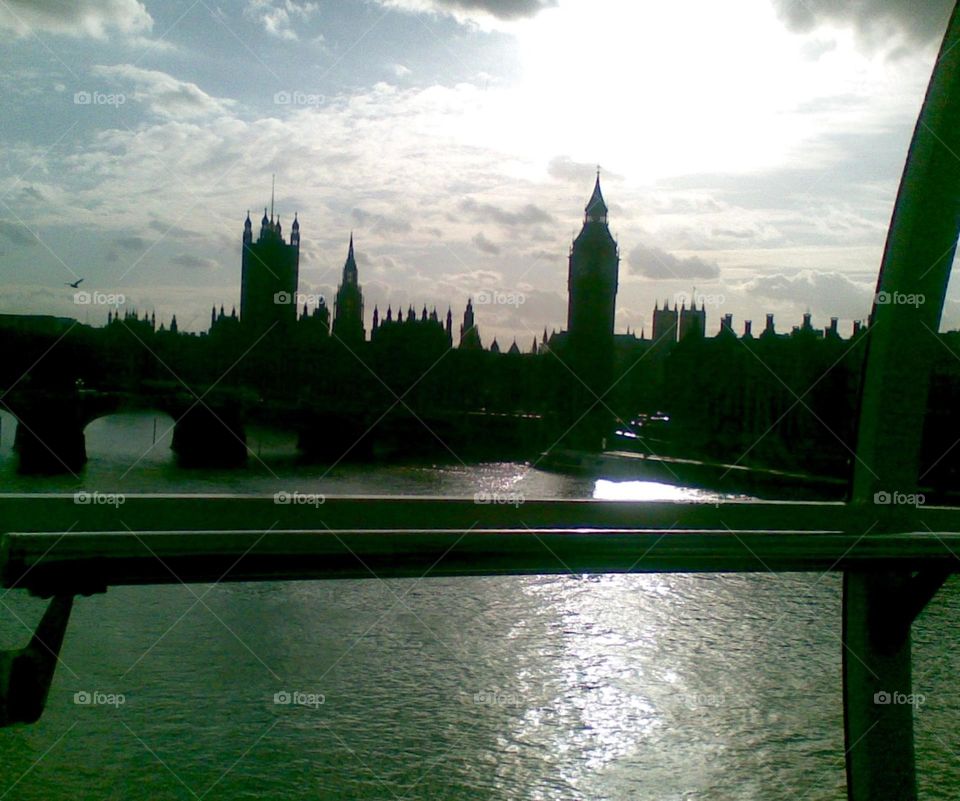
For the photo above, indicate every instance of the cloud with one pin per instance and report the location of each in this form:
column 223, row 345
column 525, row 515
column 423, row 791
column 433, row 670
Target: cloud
column 831, row 293
column 380, row 223
column 16, row 233
column 652, row 262
column 278, row 16
column 29, row 193
column 566, row 169
column 477, row 11
column 485, row 245
column 131, row 242
column 194, row 262
column 165, row 95
column 872, row 19
column 527, row 215
column 78, row 18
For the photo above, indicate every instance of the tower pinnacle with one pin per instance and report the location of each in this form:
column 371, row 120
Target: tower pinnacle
column 596, row 210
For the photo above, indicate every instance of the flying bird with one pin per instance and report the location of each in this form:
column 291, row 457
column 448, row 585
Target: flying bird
column 74, row 284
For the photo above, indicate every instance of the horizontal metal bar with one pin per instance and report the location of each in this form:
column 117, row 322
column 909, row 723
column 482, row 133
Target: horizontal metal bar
column 103, row 512
column 49, row 563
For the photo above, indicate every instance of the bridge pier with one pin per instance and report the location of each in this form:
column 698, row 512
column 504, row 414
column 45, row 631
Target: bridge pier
column 49, row 436
column 204, row 437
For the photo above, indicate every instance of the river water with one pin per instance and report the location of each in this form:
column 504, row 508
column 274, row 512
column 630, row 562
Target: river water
column 562, row 687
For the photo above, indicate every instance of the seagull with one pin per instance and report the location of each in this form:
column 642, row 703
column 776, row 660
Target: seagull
column 74, row 284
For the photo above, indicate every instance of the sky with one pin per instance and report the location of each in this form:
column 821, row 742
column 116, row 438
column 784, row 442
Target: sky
column 750, row 152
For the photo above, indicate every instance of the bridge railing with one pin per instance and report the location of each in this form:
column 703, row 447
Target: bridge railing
column 55, row 546
column 150, row 539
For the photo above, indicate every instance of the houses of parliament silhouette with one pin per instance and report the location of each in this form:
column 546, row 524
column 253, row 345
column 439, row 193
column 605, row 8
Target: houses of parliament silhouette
column 413, row 386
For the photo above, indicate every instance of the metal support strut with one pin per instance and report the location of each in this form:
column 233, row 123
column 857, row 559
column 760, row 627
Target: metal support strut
column 26, row 673
column 879, row 607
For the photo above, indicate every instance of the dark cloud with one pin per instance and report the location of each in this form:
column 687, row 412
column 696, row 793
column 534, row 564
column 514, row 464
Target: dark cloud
column 131, row 242
column 486, row 245
column 527, row 215
column 506, row 10
column 92, row 18
column 16, row 233
column 31, row 193
column 919, row 20
column 652, row 262
column 501, row 9
column 830, row 293
column 194, row 262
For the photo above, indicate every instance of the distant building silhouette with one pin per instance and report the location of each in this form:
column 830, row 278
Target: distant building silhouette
column 664, row 323
column 469, row 334
column 317, row 322
column 348, row 305
column 269, row 275
column 222, row 323
column 587, row 347
column 693, row 321
column 592, row 279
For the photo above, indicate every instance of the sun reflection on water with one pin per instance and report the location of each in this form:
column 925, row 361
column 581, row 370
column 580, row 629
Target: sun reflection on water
column 607, row 490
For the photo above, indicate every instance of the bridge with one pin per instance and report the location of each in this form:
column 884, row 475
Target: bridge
column 210, row 426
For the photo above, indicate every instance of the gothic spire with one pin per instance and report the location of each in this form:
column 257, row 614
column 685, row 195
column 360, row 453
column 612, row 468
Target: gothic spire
column 596, row 207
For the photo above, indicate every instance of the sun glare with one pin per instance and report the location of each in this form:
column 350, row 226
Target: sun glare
column 666, row 89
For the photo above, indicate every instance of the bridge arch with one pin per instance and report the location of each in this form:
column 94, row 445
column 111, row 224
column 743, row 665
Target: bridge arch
column 51, row 427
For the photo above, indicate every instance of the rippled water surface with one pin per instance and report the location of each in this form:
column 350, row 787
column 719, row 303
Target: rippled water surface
column 561, row 687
